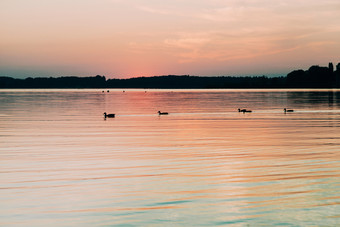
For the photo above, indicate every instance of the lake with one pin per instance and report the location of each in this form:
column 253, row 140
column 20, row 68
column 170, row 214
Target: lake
column 205, row 164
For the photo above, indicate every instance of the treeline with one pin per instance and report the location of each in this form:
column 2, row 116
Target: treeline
column 170, row 81
column 187, row 81
column 314, row 77
column 51, row 82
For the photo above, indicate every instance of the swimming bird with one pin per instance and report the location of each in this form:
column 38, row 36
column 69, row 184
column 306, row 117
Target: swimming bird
column 285, row 110
column 244, row 111
column 109, row 115
column 162, row 113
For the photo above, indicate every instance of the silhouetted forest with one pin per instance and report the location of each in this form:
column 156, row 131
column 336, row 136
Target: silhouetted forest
column 314, row 77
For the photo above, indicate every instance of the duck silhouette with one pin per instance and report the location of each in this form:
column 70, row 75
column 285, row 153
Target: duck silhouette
column 244, row 111
column 285, row 110
column 109, row 115
column 162, row 113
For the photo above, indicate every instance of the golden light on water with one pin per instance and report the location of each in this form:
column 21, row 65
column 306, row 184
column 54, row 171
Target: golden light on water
column 203, row 163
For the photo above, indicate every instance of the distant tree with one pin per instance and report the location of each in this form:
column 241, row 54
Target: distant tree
column 337, row 75
column 331, row 67
column 296, row 78
column 320, row 77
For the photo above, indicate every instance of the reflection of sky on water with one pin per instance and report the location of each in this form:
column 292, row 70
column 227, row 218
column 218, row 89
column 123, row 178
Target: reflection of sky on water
column 204, row 164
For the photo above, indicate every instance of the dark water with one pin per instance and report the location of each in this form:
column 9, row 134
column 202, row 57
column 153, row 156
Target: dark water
column 204, row 164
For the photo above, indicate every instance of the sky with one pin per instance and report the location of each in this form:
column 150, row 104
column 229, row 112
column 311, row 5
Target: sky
column 130, row 38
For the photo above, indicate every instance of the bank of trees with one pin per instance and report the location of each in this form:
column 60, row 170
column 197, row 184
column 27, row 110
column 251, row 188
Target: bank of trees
column 314, row 77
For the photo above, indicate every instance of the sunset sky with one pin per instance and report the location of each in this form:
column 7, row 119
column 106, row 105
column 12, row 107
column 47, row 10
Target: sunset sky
column 128, row 38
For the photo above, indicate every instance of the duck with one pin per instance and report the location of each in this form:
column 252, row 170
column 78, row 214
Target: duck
column 109, row 115
column 244, row 111
column 285, row 110
column 162, row 113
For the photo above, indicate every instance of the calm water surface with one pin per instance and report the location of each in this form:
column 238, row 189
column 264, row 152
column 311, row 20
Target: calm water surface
column 205, row 164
